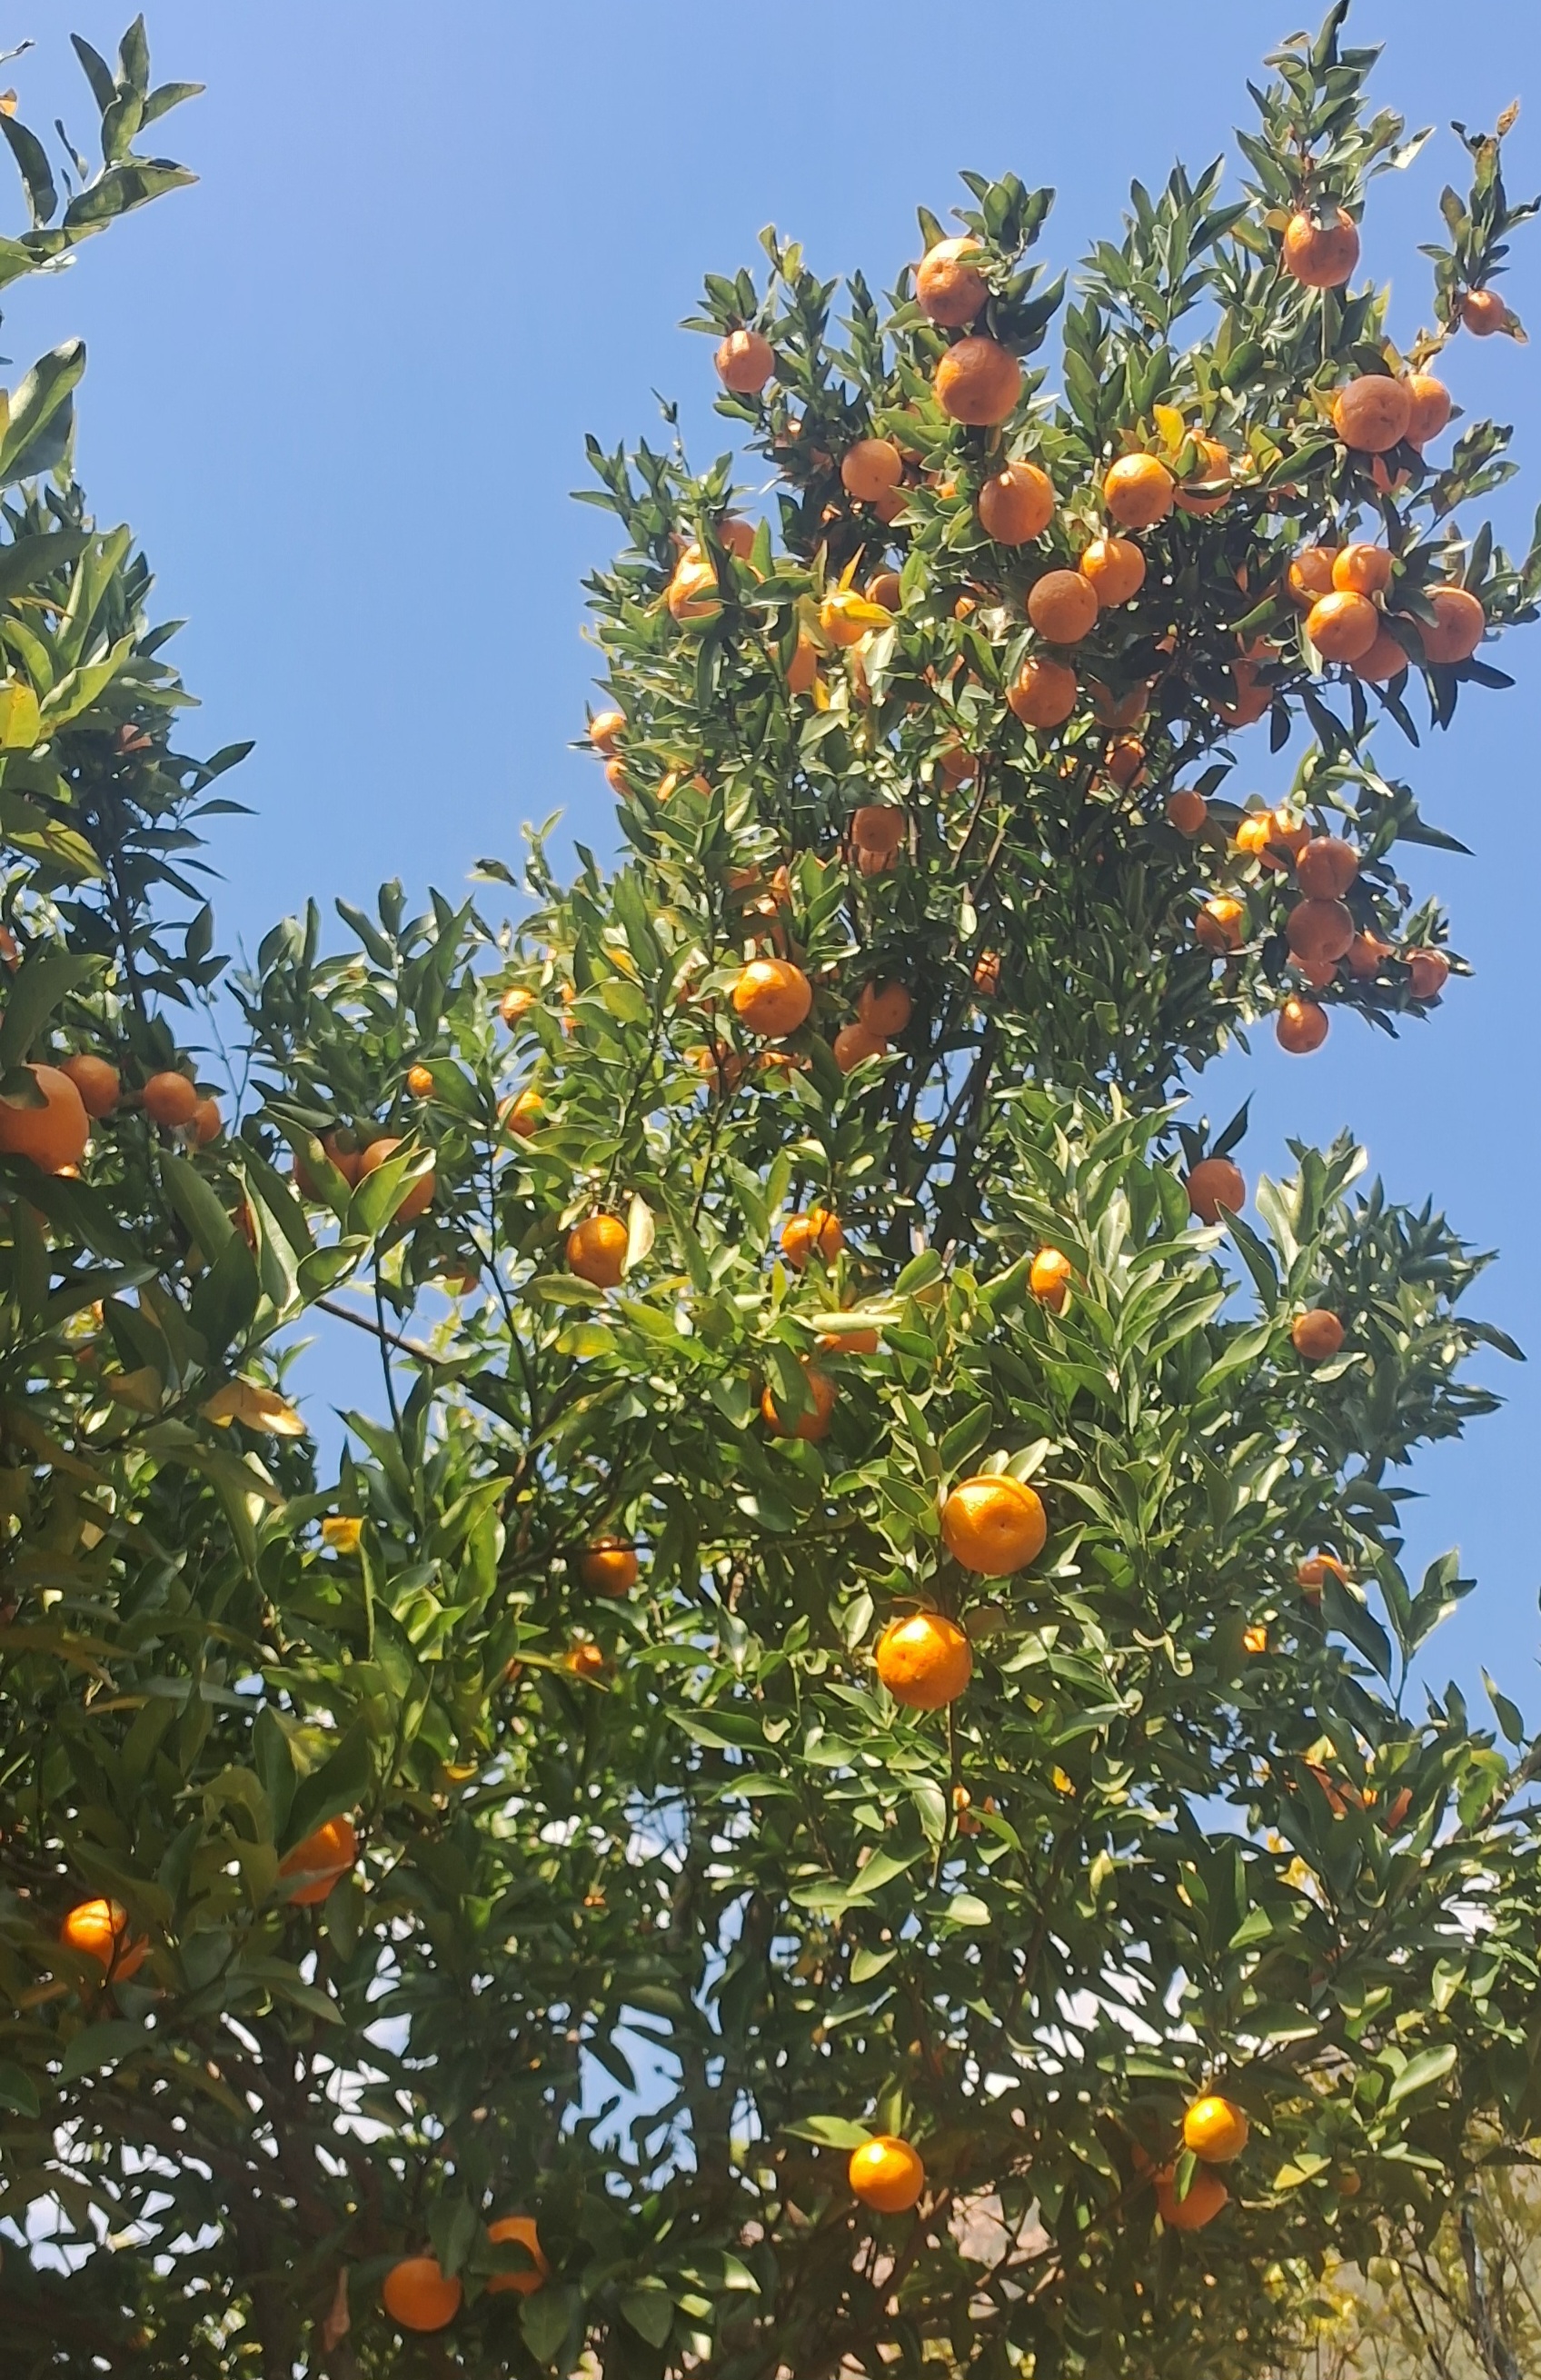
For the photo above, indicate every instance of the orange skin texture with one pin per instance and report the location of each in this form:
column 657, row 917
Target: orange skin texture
column 870, row 467
column 1301, row 1027
column 1371, row 414
column 1050, row 1277
column 1139, row 491
column 884, row 1008
column 522, row 2228
column 855, row 1341
column 586, row 1660
column 323, row 1859
column 420, row 1194
column 1428, row 972
column 1316, row 1336
column 949, row 287
column 994, row 1525
column 606, row 729
column 1385, row 660
column 813, row 1424
column 1062, row 606
column 1215, row 2129
column 1214, row 465
column 854, row 1043
column 886, row 588
column 96, row 1081
column 1126, row 761
column 1326, row 869
column 886, row 2174
column 1043, row 693
column 924, row 1661
column 1215, row 1184
column 1252, row 699
column 596, row 1250
column 207, row 1121
column 802, row 670
column 1187, row 811
column 773, row 996
column 1272, row 837
column 1483, row 311
column 1320, row 931
column 1207, row 2195
column 1017, row 505
column 1220, row 925
column 416, row 2295
column 1311, row 1572
column 53, row 1136
column 1320, row 258
column 1430, row 401
column 522, row 1114
column 420, row 1082
column 1310, row 575
column 608, row 1567
column 1115, row 569
column 1460, row 625
column 1367, row 956
column 100, row 1929
column 1362, row 569
column 979, row 382
column 987, row 974
column 615, row 777
column 692, row 592
column 957, row 764
column 169, row 1099
column 876, row 827
column 745, row 362
column 816, row 1233
column 1341, row 627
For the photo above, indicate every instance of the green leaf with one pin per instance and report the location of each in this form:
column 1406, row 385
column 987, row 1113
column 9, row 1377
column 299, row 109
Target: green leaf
column 831, row 2132
column 546, row 2316
column 650, row 2309
column 41, row 985
column 43, row 199
column 18, row 2091
column 40, row 406
column 1430, row 2065
column 340, row 1783
column 101, row 2044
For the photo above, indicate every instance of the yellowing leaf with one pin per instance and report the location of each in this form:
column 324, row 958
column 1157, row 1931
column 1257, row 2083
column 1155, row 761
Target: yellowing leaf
column 140, row 1389
column 258, row 1408
column 20, row 721
column 342, row 1532
column 1171, row 424
column 8, row 102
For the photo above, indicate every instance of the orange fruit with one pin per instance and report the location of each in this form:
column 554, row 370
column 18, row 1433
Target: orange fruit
column 852, row 1340
column 322, row 1859
column 169, row 1099
column 1316, row 1336
column 609, row 1566
column 1321, row 256
column 53, row 1136
column 96, row 1081
column 1215, row 1184
column 1207, row 2195
column 1215, row 2129
column 596, row 1250
column 870, row 467
column 1367, row 956
column 692, row 592
column 812, row 1424
column 1186, row 810
column 1043, row 693
column 1139, row 491
column 1125, row 762
column 1427, row 973
column 977, row 382
column 886, row 2174
column 1017, row 505
column 994, row 1525
column 854, row 1043
column 100, row 1930
column 419, row 1194
column 1062, row 606
column 887, row 589
column 924, row 1661
column 1342, row 626
column 1214, row 467
column 1362, row 569
column 1326, row 869
column 1290, row 834
column 1483, row 311
column 816, row 1233
column 1460, row 625
column 605, row 730
column 1252, row 699
column 1255, row 1638
column 1301, row 1027
column 957, row 763
column 987, row 974
column 802, row 670
column 1310, row 574
column 948, row 286
column 1314, row 1571
column 884, row 1008
column 1220, row 925
column 586, row 1660
column 1115, row 568
column 1320, row 930
column 420, row 1082
column 207, row 1121
column 877, row 826
column 1271, row 837
column 1430, row 401
column 773, row 996
column 745, row 362
column 1049, row 1278
column 615, row 777
column 522, row 1113
column 522, row 2228
column 1385, row 660
column 416, row 2295
column 1372, row 414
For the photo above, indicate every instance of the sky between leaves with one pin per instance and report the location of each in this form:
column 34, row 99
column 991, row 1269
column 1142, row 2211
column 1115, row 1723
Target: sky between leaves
column 341, row 391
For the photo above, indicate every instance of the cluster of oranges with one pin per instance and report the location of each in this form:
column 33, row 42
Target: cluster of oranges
column 85, row 1089
column 420, row 2295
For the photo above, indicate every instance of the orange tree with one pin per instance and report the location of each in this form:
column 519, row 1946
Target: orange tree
column 835, row 1782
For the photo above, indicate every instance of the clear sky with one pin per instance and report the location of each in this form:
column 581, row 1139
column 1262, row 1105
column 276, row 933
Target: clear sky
column 341, row 391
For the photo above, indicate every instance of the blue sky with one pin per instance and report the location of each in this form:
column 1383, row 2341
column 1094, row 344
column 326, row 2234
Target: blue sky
column 341, row 391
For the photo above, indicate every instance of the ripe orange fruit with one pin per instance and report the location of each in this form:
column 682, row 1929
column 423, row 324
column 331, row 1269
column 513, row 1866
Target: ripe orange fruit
column 96, row 1081
column 1320, row 930
column 977, row 382
column 416, row 2295
column 802, row 670
column 1255, row 1638
column 1310, row 574
column 994, row 1525
column 1431, row 409
column 1204, row 494
column 1050, row 1277
column 886, row 588
column 1215, row 2129
column 1326, row 869
column 207, row 1121
column 1207, row 2195
column 1186, row 810
column 1062, row 606
column 1342, row 626
column 420, row 1082
column 1017, row 505
column 1271, row 837
column 812, row 1424
column 609, row 1567
column 586, row 1660
column 53, row 1136
column 1372, row 414
column 854, row 1043
column 877, row 826
column 948, row 286
column 773, row 996
column 886, row 2174
column 322, row 1859
column 522, row 1113
column 1222, row 923
column 1362, row 569
column 957, row 763
column 420, row 1194
column 1428, row 974
column 884, row 1008
column 1315, row 1568
column 1367, row 956
column 1139, row 491
column 816, row 1233
column 1215, row 1184
column 1043, row 693
column 615, row 777
column 852, row 1340
column 1321, row 256
column 1301, row 1027
column 870, row 467
column 169, row 1099
column 924, row 1661
column 596, row 1250
column 100, row 1930
column 1316, row 1336
column 1115, row 568
column 745, row 362
column 1483, row 311
column 692, row 592
column 522, row 2228
column 1386, row 658
column 1125, row 762
column 605, row 730
column 1460, row 625
column 987, row 974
